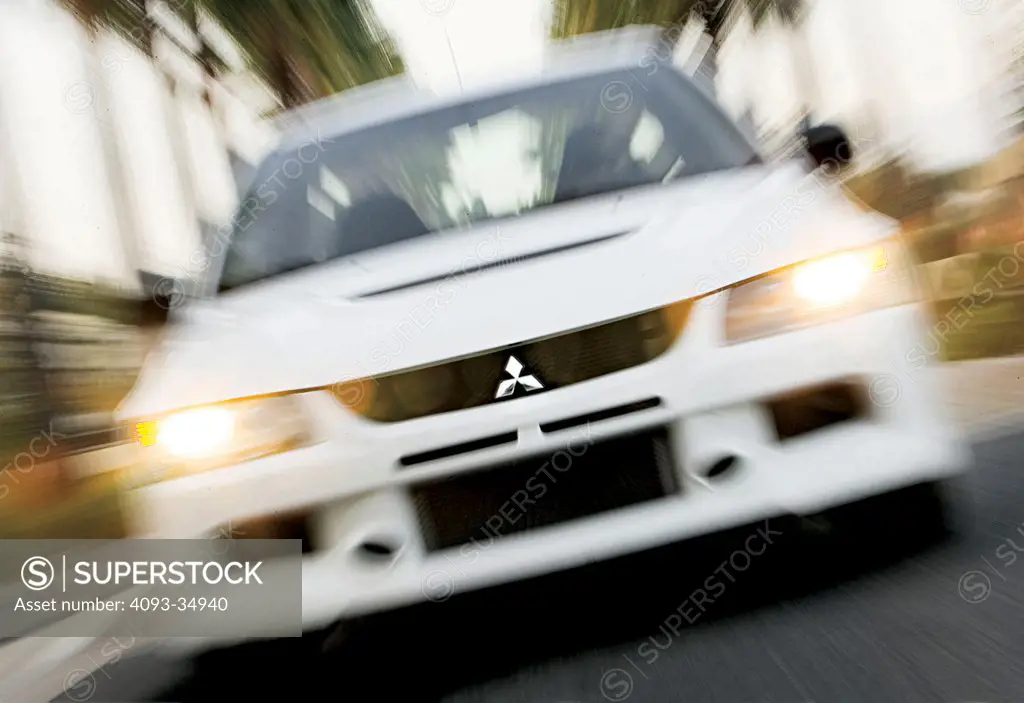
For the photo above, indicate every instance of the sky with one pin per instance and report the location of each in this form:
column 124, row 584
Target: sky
column 485, row 36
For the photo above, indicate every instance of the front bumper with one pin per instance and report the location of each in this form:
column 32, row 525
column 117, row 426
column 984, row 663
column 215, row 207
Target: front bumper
column 354, row 491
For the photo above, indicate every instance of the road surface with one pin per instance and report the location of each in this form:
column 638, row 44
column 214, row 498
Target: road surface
column 811, row 615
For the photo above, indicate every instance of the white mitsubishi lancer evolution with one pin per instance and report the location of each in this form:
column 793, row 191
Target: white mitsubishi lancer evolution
column 457, row 342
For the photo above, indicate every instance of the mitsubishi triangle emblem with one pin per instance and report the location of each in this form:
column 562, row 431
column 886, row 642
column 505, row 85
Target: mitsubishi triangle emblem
column 515, row 369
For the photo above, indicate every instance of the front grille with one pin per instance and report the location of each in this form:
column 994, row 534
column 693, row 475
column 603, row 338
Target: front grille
column 545, row 490
column 558, row 361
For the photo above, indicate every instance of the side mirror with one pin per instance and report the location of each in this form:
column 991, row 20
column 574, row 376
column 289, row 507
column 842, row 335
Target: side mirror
column 828, row 145
column 161, row 295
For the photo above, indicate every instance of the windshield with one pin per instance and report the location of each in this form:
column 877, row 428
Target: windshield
column 500, row 157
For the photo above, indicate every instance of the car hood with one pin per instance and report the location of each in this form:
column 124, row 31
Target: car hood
column 461, row 292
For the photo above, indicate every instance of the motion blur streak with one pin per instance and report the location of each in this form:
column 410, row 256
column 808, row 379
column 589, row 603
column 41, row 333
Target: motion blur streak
column 146, row 175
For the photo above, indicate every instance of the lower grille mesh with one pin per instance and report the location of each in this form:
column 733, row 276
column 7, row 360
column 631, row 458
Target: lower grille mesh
column 583, row 480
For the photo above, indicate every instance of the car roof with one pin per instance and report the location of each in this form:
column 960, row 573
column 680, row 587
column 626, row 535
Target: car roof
column 394, row 98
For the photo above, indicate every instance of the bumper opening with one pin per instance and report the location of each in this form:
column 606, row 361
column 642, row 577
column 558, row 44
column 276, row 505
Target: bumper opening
column 812, row 409
column 290, row 526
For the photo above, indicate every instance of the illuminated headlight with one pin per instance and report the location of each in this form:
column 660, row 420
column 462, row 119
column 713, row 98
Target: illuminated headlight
column 820, row 290
column 208, row 437
column 197, row 434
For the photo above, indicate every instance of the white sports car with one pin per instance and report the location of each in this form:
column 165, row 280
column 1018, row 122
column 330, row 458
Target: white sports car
column 462, row 341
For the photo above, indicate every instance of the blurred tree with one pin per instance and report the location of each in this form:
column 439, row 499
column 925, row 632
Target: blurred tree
column 210, row 62
column 896, row 189
column 575, row 17
column 29, row 403
column 305, row 49
column 89, row 12
column 271, row 37
column 581, row 16
column 130, row 18
column 791, row 14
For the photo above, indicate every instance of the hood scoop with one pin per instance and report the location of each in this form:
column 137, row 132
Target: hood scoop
column 505, row 261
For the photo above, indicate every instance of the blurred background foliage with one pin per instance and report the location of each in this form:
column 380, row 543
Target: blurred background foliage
column 306, row 49
column 303, row 49
column 72, row 349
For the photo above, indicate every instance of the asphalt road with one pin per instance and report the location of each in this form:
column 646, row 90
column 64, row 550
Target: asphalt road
column 870, row 608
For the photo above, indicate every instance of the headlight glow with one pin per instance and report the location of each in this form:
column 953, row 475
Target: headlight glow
column 209, row 437
column 834, row 280
column 199, row 433
column 820, row 291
